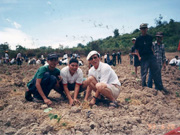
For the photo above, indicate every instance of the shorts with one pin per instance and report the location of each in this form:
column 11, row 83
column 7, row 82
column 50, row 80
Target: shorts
column 115, row 89
column 136, row 62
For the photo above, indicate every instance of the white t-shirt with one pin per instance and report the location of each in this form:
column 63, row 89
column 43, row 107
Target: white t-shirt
column 18, row 55
column 68, row 78
column 6, row 56
column 104, row 73
column 65, row 56
column 178, row 62
column 173, row 61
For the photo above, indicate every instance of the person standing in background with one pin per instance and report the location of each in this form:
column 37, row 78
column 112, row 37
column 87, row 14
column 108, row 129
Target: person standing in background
column 143, row 47
column 136, row 60
column 159, row 52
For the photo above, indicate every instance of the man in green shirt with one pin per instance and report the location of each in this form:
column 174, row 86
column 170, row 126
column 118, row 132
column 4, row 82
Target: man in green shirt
column 46, row 78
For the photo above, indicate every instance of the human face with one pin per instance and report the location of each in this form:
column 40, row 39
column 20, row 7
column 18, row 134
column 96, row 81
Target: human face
column 73, row 67
column 94, row 60
column 133, row 41
column 143, row 31
column 159, row 39
column 52, row 63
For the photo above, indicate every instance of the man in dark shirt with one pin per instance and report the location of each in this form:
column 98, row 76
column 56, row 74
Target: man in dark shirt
column 136, row 60
column 114, row 58
column 143, row 47
column 119, row 56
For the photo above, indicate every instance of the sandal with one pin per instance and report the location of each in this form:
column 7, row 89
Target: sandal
column 113, row 104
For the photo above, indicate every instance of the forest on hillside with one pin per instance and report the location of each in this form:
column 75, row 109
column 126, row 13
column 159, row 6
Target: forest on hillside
column 122, row 42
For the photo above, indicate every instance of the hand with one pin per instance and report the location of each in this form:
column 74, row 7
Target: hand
column 60, row 78
column 47, row 101
column 76, row 101
column 139, row 58
column 71, row 102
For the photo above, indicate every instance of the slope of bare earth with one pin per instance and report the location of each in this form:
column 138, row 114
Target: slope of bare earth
column 142, row 111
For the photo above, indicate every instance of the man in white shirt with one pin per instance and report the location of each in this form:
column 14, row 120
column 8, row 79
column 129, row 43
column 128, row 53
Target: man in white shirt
column 174, row 61
column 72, row 80
column 65, row 56
column 102, row 79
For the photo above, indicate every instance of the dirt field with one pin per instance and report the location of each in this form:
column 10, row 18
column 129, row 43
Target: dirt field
column 141, row 111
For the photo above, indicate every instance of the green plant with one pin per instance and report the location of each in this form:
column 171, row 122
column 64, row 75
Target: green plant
column 64, row 124
column 133, row 73
column 55, row 116
column 0, row 79
column 128, row 99
column 177, row 94
column 14, row 90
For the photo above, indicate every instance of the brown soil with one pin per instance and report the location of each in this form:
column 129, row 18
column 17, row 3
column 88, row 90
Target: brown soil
column 142, row 111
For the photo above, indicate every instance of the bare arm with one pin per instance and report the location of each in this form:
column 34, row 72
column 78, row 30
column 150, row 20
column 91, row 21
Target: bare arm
column 137, row 53
column 68, row 94
column 76, row 91
column 39, row 88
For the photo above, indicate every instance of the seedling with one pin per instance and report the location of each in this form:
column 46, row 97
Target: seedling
column 177, row 94
column 64, row 124
column 55, row 116
column 128, row 99
column 14, row 90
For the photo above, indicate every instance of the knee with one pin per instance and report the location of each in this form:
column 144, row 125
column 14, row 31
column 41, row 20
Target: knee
column 91, row 79
column 53, row 79
column 100, row 87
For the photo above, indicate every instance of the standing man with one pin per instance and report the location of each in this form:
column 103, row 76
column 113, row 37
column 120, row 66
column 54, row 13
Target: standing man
column 159, row 52
column 46, row 78
column 136, row 60
column 18, row 58
column 102, row 79
column 72, row 80
column 119, row 56
column 143, row 47
column 6, row 57
column 114, row 58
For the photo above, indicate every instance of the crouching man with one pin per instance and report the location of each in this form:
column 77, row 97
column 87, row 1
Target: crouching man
column 102, row 79
column 72, row 80
column 46, row 78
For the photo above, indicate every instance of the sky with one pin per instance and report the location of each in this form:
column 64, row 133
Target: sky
column 65, row 23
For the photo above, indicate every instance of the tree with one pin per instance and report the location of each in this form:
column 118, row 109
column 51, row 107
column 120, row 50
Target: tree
column 19, row 48
column 4, row 47
column 116, row 33
column 158, row 21
column 80, row 45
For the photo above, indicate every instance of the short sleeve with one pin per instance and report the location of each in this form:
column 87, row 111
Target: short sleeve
column 64, row 76
column 80, row 77
column 40, row 72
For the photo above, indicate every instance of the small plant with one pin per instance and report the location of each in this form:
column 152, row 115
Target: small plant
column 0, row 79
column 128, row 99
column 14, row 90
column 64, row 124
column 133, row 73
column 55, row 116
column 177, row 94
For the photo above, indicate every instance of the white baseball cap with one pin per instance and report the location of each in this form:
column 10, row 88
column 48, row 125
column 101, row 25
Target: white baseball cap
column 91, row 53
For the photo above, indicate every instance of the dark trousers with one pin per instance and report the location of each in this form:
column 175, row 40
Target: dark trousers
column 114, row 62
column 150, row 62
column 150, row 81
column 48, row 82
column 119, row 60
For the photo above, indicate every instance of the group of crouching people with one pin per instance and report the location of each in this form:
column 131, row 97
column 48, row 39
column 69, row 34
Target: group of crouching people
column 101, row 79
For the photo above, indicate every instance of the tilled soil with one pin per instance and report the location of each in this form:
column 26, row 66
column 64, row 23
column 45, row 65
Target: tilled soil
column 141, row 111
